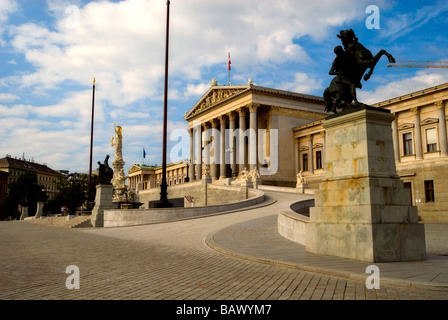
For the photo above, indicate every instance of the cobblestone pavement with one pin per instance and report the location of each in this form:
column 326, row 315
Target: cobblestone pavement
column 169, row 261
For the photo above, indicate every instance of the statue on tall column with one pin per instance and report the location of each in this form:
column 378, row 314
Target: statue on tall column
column 351, row 62
column 119, row 176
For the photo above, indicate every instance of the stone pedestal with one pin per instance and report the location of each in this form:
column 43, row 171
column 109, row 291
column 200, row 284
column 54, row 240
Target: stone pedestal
column 103, row 201
column 39, row 210
column 247, row 184
column 207, row 179
column 301, row 187
column 362, row 210
column 118, row 181
column 23, row 212
column 256, row 182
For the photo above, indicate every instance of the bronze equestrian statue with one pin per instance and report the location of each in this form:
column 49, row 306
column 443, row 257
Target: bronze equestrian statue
column 351, row 62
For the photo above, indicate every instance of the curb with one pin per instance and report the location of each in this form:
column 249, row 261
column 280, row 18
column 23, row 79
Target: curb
column 401, row 283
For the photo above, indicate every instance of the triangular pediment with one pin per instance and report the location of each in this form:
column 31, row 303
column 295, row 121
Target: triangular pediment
column 406, row 126
column 134, row 168
column 215, row 96
column 429, row 121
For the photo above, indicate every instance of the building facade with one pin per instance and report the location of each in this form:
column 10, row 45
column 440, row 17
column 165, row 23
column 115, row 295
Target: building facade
column 233, row 128
column 253, row 122
column 236, row 127
column 12, row 168
column 420, row 144
column 145, row 177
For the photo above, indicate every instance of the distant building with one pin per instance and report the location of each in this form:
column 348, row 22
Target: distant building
column 3, row 186
column 145, row 177
column 15, row 167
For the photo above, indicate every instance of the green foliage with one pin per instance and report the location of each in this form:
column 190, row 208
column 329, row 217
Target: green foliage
column 26, row 192
column 72, row 192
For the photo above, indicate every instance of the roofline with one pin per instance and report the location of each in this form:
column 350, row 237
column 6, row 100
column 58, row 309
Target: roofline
column 217, row 87
column 254, row 88
column 33, row 166
column 411, row 95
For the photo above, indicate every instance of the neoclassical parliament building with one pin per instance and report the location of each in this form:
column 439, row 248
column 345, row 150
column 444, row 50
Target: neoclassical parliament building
column 281, row 134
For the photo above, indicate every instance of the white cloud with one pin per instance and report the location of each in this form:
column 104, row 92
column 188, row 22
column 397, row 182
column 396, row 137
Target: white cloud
column 303, row 83
column 121, row 44
column 8, row 97
column 422, row 79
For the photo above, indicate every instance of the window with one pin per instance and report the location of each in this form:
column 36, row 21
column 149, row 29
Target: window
column 305, row 162
column 408, row 185
column 431, row 140
column 407, row 144
column 319, row 159
column 429, row 191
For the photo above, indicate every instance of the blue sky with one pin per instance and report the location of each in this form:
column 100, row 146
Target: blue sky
column 50, row 51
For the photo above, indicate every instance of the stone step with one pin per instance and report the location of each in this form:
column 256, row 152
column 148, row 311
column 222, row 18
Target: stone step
column 85, row 223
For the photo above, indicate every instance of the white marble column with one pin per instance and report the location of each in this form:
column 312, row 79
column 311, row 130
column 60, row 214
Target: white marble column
column 253, row 126
column 418, row 134
column 191, row 168
column 310, row 154
column 296, row 156
column 241, row 140
column 395, row 138
column 222, row 154
column 198, row 156
column 323, row 150
column 442, row 127
column 215, row 156
column 207, row 149
column 232, row 152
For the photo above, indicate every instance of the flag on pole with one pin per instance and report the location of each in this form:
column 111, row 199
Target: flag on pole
column 144, row 153
column 229, row 62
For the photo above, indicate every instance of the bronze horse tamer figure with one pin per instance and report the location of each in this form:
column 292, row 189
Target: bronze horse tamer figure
column 351, row 62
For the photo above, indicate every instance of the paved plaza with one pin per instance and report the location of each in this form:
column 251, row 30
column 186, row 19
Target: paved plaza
column 237, row 255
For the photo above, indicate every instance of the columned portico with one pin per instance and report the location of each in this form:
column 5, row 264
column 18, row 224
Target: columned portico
column 248, row 121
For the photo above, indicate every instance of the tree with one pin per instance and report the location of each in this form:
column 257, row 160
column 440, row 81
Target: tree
column 72, row 193
column 26, row 192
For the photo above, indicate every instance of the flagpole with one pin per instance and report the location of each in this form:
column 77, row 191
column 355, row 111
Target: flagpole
column 229, row 69
column 91, row 142
column 163, row 203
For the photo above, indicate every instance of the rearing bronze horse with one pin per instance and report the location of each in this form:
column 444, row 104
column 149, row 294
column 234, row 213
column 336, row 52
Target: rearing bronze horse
column 349, row 66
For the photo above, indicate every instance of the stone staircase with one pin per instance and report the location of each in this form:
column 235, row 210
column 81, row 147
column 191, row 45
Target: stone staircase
column 82, row 222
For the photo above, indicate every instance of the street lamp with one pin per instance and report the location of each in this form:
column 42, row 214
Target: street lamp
column 187, row 162
column 230, row 150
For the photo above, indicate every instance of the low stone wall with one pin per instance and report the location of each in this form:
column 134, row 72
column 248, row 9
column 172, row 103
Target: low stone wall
column 120, row 218
column 290, row 223
column 285, row 189
column 203, row 194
